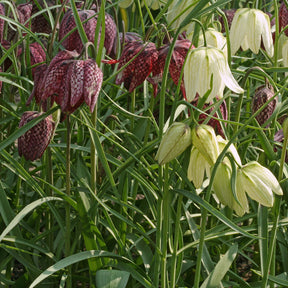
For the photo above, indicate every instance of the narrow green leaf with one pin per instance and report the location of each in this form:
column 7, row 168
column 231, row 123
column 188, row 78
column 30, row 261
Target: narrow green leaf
column 24, row 212
column 75, row 259
column 112, row 279
column 221, row 268
column 215, row 212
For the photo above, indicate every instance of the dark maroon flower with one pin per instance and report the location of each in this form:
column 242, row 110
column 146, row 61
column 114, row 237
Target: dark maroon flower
column 283, row 17
column 180, row 51
column 262, row 95
column 40, row 23
column 89, row 22
column 33, row 143
column 37, row 55
column 128, row 37
column 139, row 68
column 229, row 13
column 23, row 13
column 2, row 21
column 68, row 81
column 208, row 109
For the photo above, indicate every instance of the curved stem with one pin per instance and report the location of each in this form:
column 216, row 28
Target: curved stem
column 226, row 25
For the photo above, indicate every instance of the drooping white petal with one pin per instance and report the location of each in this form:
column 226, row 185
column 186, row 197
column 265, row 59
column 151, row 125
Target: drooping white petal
column 249, row 27
column 237, row 33
column 265, row 175
column 197, row 167
column 257, row 190
column 222, row 143
column 267, row 37
column 203, row 63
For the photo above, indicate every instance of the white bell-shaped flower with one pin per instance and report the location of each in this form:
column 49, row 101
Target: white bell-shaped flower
column 203, row 63
column 214, row 38
column 249, row 27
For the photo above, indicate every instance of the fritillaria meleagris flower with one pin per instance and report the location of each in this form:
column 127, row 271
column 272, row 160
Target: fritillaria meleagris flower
column 229, row 13
column 174, row 142
column 259, row 183
column 249, row 27
column 37, row 54
column 74, row 42
column 140, row 67
column 201, row 64
column 23, row 15
column 68, row 81
column 208, row 109
column 179, row 53
column 214, row 38
column 40, row 23
column 178, row 10
column 33, row 143
column 283, row 17
column 128, row 37
column 262, row 95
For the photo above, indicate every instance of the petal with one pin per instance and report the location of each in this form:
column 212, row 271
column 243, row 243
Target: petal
column 265, row 175
column 237, row 31
column 257, row 190
column 77, row 82
column 93, row 82
column 197, row 167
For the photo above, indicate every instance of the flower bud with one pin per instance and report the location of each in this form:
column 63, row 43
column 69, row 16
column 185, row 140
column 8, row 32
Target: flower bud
column 204, row 139
column 197, row 168
column 176, row 139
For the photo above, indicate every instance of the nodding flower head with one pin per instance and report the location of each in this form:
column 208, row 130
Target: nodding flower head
column 74, row 42
column 175, row 141
column 203, row 63
column 249, row 27
column 33, row 143
column 69, row 82
column 138, row 69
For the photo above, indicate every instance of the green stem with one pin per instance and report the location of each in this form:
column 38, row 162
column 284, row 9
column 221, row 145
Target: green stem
column 204, row 214
column 176, row 241
column 277, row 206
column 67, row 206
column 276, row 17
column 133, row 102
column 49, row 220
column 93, row 154
column 165, row 227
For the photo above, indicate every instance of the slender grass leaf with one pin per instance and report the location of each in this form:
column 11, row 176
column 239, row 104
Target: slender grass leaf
column 112, row 279
column 75, row 259
column 24, row 212
column 214, row 212
column 221, row 268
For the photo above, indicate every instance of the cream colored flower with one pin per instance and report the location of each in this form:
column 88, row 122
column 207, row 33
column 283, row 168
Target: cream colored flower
column 249, row 27
column 175, row 16
column 204, row 139
column 222, row 143
column 125, row 3
column 222, row 188
column 259, row 183
column 285, row 53
column 175, row 141
column 214, row 38
column 197, row 168
column 153, row 4
column 202, row 63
